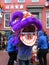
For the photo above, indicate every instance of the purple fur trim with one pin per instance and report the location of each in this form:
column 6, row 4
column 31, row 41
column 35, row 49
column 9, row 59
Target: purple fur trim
column 17, row 14
column 27, row 22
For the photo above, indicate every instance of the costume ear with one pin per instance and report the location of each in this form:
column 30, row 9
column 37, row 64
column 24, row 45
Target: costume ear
column 17, row 14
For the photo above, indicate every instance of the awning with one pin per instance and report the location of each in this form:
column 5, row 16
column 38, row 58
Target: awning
column 35, row 6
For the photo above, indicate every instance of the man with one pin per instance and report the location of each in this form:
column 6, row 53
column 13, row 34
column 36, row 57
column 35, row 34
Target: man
column 42, row 48
column 11, row 49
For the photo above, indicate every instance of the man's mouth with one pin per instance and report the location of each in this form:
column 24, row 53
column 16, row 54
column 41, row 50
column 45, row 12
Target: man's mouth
column 28, row 40
column 28, row 35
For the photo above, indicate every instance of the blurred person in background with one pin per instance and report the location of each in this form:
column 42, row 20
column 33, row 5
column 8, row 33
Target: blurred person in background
column 42, row 48
column 11, row 49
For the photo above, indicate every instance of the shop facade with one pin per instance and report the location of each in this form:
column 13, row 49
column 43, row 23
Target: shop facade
column 37, row 7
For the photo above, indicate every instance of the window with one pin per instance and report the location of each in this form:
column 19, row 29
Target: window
column 47, row 0
column 7, row 1
column 0, row 20
column 47, row 19
column 21, row 1
column 6, row 19
column 0, row 17
column 36, row 14
column 35, row 0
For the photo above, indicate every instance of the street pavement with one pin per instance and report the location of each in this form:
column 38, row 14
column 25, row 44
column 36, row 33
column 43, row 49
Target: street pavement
column 4, row 58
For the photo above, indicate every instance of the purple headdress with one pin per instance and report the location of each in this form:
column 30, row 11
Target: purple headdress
column 21, row 20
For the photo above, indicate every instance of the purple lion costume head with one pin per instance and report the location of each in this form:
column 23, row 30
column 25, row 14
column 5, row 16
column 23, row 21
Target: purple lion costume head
column 24, row 21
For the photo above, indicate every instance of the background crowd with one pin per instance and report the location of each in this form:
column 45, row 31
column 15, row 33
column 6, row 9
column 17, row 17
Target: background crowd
column 25, row 56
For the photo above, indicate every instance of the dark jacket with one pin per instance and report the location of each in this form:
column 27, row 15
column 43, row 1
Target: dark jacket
column 24, row 52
